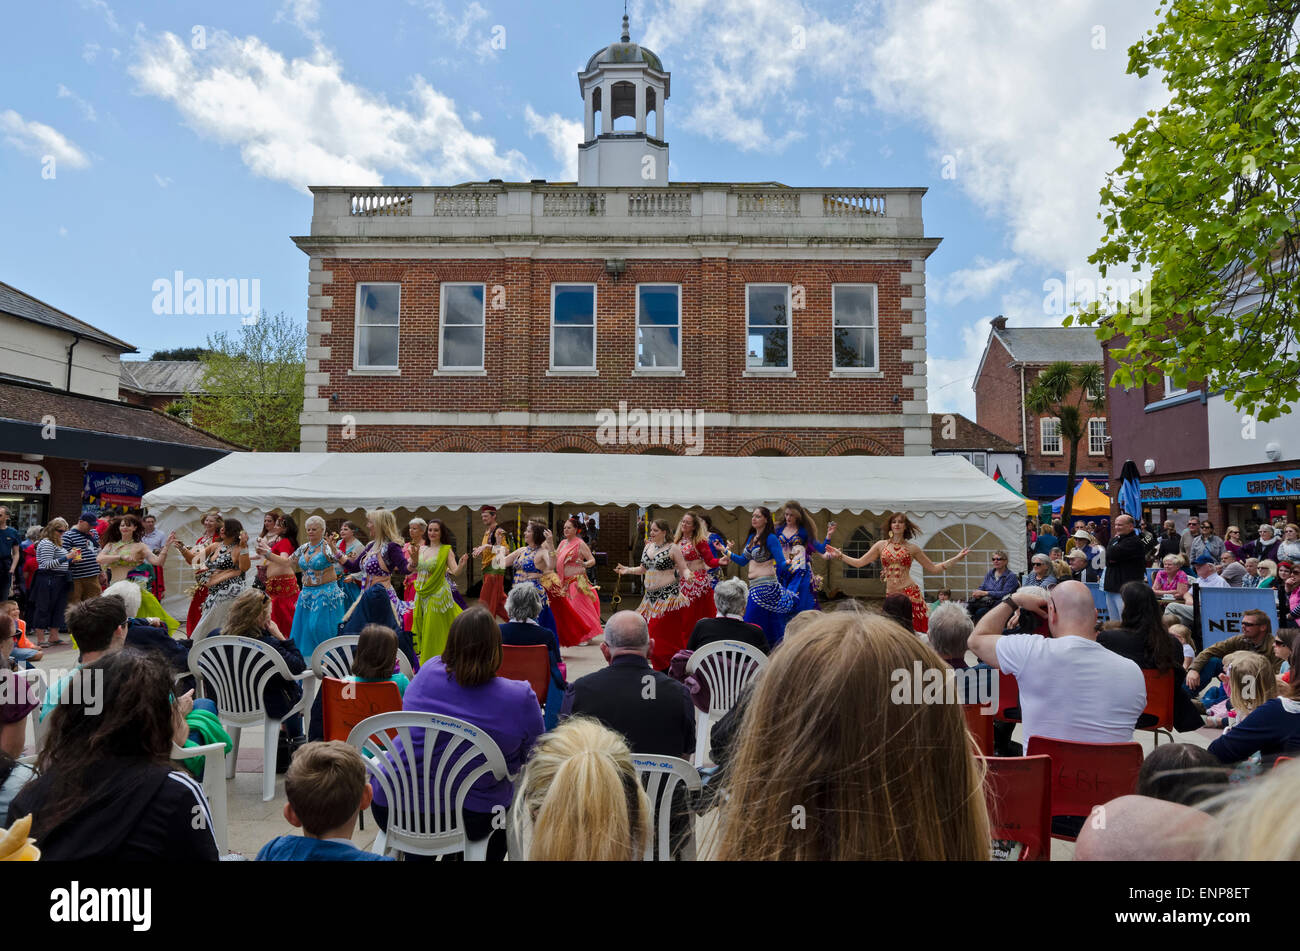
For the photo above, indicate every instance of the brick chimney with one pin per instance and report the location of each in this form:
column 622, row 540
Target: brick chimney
column 999, row 322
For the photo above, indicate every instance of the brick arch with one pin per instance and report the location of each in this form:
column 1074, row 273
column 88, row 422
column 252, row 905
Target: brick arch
column 572, row 442
column 459, row 443
column 658, row 451
column 784, row 446
column 373, row 442
column 856, row 446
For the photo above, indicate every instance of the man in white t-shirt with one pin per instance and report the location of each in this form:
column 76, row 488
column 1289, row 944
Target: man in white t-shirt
column 1071, row 688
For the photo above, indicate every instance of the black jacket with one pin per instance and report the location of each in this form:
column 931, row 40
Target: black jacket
column 710, row 629
column 144, row 636
column 136, row 811
column 522, row 634
column 655, row 715
column 1126, row 560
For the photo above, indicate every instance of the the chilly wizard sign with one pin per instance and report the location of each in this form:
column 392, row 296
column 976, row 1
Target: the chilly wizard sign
column 112, row 491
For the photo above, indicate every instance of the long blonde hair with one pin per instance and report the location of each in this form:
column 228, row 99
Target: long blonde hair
column 580, row 798
column 1251, row 682
column 699, row 536
column 247, row 615
column 385, row 528
column 847, row 773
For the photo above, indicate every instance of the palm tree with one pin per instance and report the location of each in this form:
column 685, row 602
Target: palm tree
column 1061, row 391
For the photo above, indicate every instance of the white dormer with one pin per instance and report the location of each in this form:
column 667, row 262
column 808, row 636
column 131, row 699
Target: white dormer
column 624, row 81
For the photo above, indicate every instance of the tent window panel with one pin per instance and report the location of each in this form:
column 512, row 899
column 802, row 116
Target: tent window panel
column 858, row 546
column 965, row 576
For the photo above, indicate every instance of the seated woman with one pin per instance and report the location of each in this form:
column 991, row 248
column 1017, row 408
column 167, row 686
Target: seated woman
column 907, row 784
column 462, row 682
column 524, row 604
column 1266, row 723
column 580, row 798
column 375, row 661
column 1170, row 582
column 1143, row 639
column 106, row 789
column 250, row 616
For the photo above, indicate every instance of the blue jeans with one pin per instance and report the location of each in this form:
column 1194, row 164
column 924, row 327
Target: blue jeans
column 1114, row 605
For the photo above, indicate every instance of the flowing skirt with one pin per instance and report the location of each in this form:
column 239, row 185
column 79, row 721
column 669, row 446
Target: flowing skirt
column 699, row 592
column 920, row 613
column 284, row 598
column 577, row 611
column 770, row 606
column 456, row 595
column 151, row 607
column 800, row 587
column 431, row 620
column 217, row 605
column 665, row 611
column 493, row 595
column 195, row 612
column 317, row 617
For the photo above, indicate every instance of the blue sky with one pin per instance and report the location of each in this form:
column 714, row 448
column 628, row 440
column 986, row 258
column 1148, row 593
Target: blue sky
column 184, row 134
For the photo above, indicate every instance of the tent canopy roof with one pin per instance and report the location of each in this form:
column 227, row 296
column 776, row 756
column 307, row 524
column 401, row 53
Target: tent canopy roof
column 347, row 481
column 1088, row 500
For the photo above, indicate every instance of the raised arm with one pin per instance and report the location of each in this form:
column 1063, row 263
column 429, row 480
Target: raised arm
column 778, row 554
column 625, row 570
column 706, row 554
column 923, row 560
column 274, row 557
column 872, row 554
column 679, row 560
column 157, row 560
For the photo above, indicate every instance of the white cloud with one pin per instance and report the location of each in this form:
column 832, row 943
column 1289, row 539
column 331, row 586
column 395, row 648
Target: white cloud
column 90, row 51
column 162, row 180
column 304, row 14
column 301, row 122
column 830, row 154
column 970, row 282
column 40, row 140
column 63, row 232
column 461, row 30
column 104, row 10
column 562, row 136
column 86, row 108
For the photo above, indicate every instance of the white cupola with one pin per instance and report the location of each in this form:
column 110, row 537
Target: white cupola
column 624, row 81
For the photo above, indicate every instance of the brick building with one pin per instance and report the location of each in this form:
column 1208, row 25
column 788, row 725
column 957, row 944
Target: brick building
column 159, row 383
column 1012, row 360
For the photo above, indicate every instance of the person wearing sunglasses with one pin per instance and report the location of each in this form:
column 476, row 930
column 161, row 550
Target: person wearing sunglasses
column 999, row 582
column 1255, row 637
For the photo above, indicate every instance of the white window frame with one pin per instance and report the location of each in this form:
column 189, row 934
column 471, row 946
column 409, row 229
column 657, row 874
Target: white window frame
column 875, row 330
column 636, row 324
column 442, row 327
column 1170, row 389
column 980, row 460
column 357, row 365
column 1100, row 437
column 1043, row 436
column 595, row 304
column 789, row 330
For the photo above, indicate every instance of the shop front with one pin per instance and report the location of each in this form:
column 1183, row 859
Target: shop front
column 1176, row 499
column 1251, row 498
column 25, row 492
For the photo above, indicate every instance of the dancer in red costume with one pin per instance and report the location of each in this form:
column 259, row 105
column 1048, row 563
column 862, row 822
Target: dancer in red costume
column 663, row 605
column 212, row 525
column 281, row 583
column 896, row 555
column 574, row 602
column 693, row 540
column 493, row 593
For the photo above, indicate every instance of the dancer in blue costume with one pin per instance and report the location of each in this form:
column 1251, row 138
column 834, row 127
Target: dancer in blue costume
column 799, row 528
column 770, row 604
column 532, row 563
column 321, row 603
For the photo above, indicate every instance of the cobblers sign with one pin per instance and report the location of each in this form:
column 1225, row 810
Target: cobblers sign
column 24, row 478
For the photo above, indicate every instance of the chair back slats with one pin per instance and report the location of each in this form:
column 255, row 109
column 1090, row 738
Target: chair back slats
column 426, row 792
column 661, row 776
column 726, row 668
column 237, row 670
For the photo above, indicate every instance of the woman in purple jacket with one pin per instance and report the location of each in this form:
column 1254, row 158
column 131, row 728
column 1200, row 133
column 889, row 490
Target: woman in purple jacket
column 463, row 683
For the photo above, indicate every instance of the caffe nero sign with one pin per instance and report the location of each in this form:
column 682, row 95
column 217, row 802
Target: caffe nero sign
column 1285, row 483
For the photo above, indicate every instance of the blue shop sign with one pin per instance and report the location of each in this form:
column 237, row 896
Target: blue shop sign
column 1173, row 492
column 1282, row 483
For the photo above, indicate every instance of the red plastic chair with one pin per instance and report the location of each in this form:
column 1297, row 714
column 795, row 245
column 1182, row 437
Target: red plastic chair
column 1280, row 760
column 527, row 662
column 981, row 726
column 344, row 704
column 1160, row 703
column 1085, row 775
column 1018, row 790
column 1008, row 697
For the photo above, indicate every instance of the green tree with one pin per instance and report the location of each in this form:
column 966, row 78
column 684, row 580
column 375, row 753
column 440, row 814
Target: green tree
column 1061, row 390
column 1205, row 200
column 180, row 353
column 252, row 385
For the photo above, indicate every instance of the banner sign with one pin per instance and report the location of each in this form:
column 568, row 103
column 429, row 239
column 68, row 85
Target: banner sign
column 21, row 477
column 112, row 491
column 1176, row 490
column 1282, row 483
column 1221, row 610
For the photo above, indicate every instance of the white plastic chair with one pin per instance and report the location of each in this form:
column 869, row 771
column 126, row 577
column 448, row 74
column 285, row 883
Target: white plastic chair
column 725, row 667
column 214, row 785
column 661, row 775
column 333, row 658
column 426, row 798
column 237, row 670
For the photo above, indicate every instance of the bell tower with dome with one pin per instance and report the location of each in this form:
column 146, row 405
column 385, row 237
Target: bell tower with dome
column 623, row 81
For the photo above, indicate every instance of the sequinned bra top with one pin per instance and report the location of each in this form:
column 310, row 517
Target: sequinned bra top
column 120, row 562
column 527, row 562
column 758, row 552
column 314, row 561
column 663, row 561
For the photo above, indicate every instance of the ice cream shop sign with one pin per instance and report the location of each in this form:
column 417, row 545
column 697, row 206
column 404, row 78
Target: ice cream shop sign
column 29, row 480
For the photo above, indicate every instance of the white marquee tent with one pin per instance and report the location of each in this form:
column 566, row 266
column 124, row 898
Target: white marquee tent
column 936, row 491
